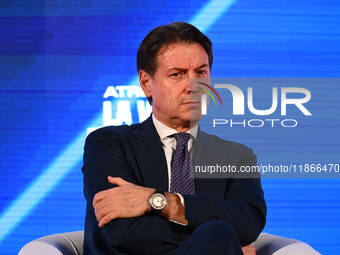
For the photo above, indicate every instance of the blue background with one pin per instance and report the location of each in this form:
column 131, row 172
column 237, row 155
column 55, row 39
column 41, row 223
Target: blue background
column 57, row 58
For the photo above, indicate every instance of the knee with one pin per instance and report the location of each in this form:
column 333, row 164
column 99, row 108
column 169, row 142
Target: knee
column 219, row 230
column 215, row 237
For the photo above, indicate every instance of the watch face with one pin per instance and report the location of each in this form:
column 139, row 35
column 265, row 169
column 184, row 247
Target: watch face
column 158, row 201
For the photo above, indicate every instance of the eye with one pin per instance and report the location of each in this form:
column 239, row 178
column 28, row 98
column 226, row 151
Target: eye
column 202, row 72
column 175, row 75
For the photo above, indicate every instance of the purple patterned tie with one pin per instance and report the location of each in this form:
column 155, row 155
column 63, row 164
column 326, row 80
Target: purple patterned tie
column 181, row 180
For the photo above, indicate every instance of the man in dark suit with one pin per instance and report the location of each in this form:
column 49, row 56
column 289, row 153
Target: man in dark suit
column 138, row 183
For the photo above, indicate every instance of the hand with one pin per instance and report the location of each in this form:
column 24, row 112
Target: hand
column 249, row 250
column 125, row 201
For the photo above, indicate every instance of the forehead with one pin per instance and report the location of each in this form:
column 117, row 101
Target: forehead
column 183, row 55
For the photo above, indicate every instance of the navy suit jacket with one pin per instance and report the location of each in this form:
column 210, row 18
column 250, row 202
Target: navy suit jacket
column 135, row 154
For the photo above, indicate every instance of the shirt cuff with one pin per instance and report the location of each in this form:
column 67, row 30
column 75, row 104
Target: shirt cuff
column 181, row 197
column 182, row 202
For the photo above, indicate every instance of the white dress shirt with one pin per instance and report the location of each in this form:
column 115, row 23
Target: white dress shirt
column 169, row 143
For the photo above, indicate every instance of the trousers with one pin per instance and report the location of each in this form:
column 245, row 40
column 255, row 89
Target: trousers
column 211, row 238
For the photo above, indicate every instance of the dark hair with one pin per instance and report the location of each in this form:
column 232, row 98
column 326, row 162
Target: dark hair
column 162, row 36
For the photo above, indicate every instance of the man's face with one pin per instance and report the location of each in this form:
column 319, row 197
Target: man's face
column 174, row 102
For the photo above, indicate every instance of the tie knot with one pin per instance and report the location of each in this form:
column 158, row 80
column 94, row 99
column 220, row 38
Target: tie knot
column 182, row 138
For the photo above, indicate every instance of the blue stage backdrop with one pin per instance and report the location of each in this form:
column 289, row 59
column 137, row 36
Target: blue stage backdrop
column 69, row 66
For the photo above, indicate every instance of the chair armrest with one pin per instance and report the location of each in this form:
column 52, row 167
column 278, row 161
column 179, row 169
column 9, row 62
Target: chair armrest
column 70, row 243
column 267, row 244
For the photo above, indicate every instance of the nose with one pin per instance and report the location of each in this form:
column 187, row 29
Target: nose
column 191, row 83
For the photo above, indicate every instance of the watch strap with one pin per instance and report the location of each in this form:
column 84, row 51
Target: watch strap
column 160, row 191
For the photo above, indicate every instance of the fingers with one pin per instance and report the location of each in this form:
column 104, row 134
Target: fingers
column 106, row 219
column 98, row 197
column 103, row 213
column 112, row 203
column 249, row 250
column 101, row 208
column 107, row 213
column 103, row 194
column 117, row 181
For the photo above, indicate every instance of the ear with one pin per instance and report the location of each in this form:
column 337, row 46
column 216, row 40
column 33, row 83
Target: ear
column 145, row 81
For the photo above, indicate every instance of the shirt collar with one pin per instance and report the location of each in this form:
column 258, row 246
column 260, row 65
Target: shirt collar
column 164, row 131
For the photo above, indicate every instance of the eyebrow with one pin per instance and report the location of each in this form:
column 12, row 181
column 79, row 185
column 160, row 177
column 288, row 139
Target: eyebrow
column 184, row 69
column 201, row 66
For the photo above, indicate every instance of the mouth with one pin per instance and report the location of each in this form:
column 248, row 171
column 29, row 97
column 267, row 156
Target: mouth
column 193, row 103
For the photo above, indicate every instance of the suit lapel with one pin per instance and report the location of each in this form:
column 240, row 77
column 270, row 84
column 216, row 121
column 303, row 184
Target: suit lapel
column 204, row 155
column 150, row 156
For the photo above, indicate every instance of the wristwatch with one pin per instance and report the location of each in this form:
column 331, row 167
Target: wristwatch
column 157, row 202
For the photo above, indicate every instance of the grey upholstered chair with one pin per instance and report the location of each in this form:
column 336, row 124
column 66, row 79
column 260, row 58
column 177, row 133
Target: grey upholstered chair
column 71, row 243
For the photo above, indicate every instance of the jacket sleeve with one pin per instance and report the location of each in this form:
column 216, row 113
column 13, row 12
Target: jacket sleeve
column 106, row 155
column 243, row 205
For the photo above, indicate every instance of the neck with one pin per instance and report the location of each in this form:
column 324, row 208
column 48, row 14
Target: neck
column 179, row 127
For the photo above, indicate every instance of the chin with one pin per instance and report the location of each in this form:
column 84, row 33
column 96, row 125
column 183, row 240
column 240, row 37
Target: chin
column 190, row 117
column 195, row 116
